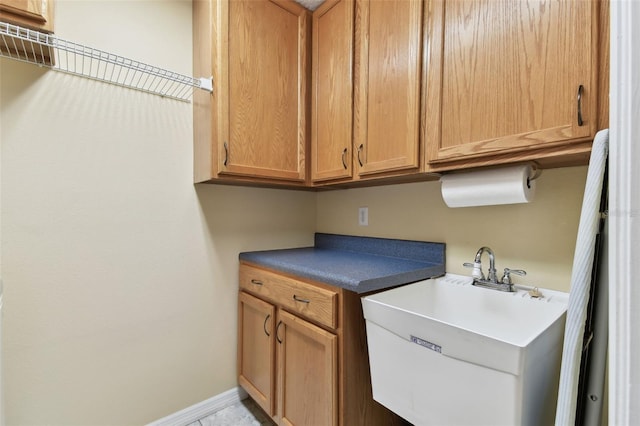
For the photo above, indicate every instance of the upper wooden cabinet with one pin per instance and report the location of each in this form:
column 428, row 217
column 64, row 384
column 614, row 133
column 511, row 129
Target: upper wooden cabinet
column 510, row 81
column 390, row 91
column 367, row 74
column 34, row 14
column 388, row 70
column 332, row 105
column 254, row 127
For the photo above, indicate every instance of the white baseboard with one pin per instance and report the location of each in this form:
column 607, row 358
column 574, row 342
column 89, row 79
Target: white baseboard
column 202, row 409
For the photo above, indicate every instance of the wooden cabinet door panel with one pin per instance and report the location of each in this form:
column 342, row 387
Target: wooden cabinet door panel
column 387, row 99
column 256, row 350
column 30, row 13
column 332, row 105
column 504, row 76
column 308, row 373
column 30, row 9
column 263, row 111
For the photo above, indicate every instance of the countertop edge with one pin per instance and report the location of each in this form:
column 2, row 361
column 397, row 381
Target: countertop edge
column 267, row 259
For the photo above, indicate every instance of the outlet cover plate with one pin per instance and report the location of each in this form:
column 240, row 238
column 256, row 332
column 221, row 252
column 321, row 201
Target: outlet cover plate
column 363, row 216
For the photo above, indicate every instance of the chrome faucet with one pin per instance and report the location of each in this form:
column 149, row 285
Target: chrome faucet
column 491, row 273
column 491, row 280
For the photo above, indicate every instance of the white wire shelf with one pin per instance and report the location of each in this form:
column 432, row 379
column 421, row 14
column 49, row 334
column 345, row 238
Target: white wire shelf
column 47, row 50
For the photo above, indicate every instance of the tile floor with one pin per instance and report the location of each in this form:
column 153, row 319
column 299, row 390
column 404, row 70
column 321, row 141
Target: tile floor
column 243, row 413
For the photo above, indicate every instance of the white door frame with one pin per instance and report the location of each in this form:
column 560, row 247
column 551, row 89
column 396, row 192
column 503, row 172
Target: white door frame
column 624, row 215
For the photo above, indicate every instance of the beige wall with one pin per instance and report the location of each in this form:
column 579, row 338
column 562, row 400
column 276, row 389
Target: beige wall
column 120, row 276
column 538, row 237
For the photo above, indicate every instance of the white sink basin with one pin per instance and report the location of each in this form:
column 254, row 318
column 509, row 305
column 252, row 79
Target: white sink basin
column 435, row 341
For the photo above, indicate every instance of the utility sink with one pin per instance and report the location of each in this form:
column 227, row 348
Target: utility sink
column 443, row 351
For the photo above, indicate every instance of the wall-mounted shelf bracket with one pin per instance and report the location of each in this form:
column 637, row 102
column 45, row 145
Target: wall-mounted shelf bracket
column 206, row 84
column 47, row 50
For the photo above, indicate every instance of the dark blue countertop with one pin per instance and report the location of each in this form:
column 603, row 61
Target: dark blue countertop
column 359, row 264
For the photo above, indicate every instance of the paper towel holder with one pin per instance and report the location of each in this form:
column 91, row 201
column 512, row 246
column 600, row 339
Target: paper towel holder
column 535, row 168
column 510, row 184
column 537, row 171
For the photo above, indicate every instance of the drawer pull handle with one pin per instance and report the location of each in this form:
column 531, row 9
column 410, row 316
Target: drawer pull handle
column 256, row 282
column 359, row 151
column 299, row 299
column 226, row 154
column 264, row 326
column 344, row 161
column 580, row 90
column 278, row 328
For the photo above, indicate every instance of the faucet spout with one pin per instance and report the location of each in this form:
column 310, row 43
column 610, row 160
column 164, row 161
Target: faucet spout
column 491, row 273
column 491, row 281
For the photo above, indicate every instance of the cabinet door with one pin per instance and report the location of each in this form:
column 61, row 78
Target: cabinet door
column 30, row 13
column 307, row 373
column 262, row 79
column 256, row 350
column 387, row 85
column 332, row 105
column 504, row 77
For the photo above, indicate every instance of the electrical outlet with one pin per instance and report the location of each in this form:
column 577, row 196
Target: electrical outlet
column 363, row 216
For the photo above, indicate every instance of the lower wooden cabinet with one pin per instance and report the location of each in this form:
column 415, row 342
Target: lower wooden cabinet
column 302, row 351
column 307, row 372
column 256, row 350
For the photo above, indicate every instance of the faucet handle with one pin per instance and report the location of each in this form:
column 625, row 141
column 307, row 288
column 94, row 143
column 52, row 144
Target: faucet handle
column 477, row 269
column 506, row 278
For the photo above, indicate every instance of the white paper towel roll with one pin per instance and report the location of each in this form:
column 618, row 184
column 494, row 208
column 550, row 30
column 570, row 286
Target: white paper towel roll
column 507, row 185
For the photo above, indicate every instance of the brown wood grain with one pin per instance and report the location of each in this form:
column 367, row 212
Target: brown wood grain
column 311, row 301
column 440, row 85
column 350, row 395
column 205, row 38
column 388, row 62
column 256, row 121
column 332, row 98
column 256, row 350
column 267, row 73
column 504, row 77
column 357, row 406
column 35, row 14
column 307, row 373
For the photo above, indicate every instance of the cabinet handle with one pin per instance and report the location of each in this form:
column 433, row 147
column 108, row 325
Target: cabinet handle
column 226, row 154
column 256, row 282
column 344, row 159
column 299, row 299
column 580, row 90
column 264, row 326
column 359, row 151
column 278, row 328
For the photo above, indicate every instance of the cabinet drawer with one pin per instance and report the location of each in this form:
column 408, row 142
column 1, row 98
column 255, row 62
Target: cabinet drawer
column 316, row 303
